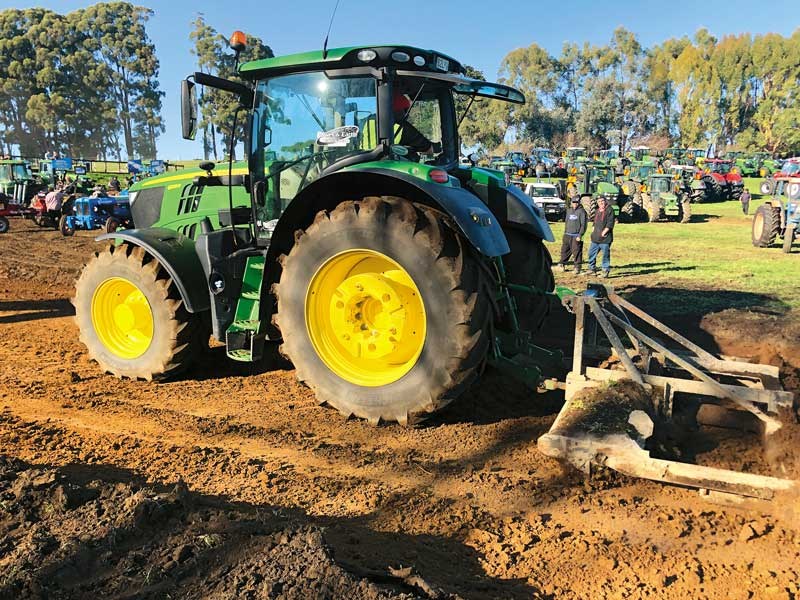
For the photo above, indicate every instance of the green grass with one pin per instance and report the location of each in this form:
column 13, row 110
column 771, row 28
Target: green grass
column 708, row 264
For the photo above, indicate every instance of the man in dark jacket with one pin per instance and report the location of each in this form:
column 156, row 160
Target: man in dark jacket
column 572, row 242
column 602, row 237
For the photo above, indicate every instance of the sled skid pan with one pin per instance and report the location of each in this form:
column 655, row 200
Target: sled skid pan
column 730, row 393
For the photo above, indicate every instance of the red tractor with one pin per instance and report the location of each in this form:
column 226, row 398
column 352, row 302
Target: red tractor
column 722, row 179
column 9, row 208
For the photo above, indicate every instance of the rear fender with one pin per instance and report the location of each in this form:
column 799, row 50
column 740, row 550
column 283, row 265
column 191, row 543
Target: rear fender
column 176, row 254
column 472, row 217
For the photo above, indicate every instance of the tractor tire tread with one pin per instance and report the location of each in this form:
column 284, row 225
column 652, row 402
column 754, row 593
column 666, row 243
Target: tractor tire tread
column 468, row 312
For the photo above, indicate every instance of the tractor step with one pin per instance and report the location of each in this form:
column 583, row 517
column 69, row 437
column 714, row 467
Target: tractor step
column 612, row 417
column 244, row 339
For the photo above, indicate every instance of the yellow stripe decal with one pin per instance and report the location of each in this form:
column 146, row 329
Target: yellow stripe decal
column 183, row 176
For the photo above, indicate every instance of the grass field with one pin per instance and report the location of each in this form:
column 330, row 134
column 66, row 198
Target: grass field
column 705, row 265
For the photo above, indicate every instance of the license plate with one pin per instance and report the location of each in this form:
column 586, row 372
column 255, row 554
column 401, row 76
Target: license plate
column 442, row 63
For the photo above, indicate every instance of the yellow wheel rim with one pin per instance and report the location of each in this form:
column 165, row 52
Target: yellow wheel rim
column 365, row 318
column 758, row 225
column 122, row 318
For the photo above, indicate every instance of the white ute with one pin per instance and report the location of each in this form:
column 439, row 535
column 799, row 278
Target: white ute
column 545, row 196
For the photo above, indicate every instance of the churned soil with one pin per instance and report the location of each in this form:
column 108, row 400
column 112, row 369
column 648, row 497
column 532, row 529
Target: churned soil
column 232, row 482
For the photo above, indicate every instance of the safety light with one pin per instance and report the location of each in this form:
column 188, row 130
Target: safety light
column 419, row 61
column 439, row 176
column 366, row 55
column 400, row 56
column 238, row 41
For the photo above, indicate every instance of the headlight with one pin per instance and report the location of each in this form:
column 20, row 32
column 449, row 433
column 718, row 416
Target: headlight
column 363, row 56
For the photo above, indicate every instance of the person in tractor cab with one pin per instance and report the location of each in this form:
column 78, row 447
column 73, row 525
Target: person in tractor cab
column 405, row 133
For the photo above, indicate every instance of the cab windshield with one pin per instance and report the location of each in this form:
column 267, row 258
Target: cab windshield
column 543, row 191
column 598, row 174
column 5, row 172
column 722, row 168
column 302, row 123
column 660, row 184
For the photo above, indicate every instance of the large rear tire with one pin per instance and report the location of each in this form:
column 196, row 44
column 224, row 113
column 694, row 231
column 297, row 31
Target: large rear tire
column 767, row 187
column 766, row 225
column 131, row 317
column 529, row 263
column 685, row 211
column 383, row 310
column 589, row 205
column 652, row 207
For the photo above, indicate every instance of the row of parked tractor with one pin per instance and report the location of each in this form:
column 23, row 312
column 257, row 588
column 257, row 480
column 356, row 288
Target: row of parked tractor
column 81, row 202
column 641, row 185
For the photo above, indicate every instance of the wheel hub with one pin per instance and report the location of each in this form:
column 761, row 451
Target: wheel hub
column 365, row 317
column 122, row 318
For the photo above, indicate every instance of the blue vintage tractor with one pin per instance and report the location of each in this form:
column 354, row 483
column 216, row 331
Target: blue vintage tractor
column 103, row 212
column 779, row 216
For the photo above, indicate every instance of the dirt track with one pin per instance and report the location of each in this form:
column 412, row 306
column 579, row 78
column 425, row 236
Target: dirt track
column 284, row 498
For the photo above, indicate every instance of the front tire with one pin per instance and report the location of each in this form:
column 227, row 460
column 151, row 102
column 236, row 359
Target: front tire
column 111, row 225
column 383, row 310
column 766, row 225
column 767, row 187
column 64, row 227
column 131, row 316
column 4, row 225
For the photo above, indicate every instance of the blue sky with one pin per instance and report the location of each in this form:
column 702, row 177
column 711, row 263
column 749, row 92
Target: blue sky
column 479, row 33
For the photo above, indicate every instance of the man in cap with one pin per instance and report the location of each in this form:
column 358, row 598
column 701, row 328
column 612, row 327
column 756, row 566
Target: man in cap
column 572, row 241
column 602, row 237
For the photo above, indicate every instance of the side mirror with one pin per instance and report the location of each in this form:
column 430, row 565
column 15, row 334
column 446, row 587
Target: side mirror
column 188, row 109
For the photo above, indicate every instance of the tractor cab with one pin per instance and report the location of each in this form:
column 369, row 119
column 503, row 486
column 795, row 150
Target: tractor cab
column 640, row 154
column 16, row 180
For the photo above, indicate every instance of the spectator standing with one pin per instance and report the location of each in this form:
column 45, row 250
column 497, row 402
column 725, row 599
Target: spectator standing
column 745, row 200
column 576, row 223
column 602, row 237
column 53, row 200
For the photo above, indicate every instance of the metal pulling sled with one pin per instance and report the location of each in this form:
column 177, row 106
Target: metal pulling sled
column 593, row 429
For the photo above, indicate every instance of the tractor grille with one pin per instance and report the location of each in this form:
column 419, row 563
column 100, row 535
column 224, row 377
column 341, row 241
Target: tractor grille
column 190, row 199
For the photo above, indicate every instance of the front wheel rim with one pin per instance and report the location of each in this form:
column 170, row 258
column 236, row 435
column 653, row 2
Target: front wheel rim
column 122, row 318
column 365, row 318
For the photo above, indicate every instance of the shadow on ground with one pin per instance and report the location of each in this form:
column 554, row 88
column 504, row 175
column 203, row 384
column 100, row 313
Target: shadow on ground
column 33, row 310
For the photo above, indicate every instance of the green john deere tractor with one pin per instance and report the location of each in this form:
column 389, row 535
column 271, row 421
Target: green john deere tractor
column 390, row 273
column 634, row 176
column 17, row 181
column 595, row 179
column 670, row 195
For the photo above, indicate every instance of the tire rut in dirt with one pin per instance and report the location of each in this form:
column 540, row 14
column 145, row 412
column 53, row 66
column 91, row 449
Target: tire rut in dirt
column 451, row 284
column 177, row 334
